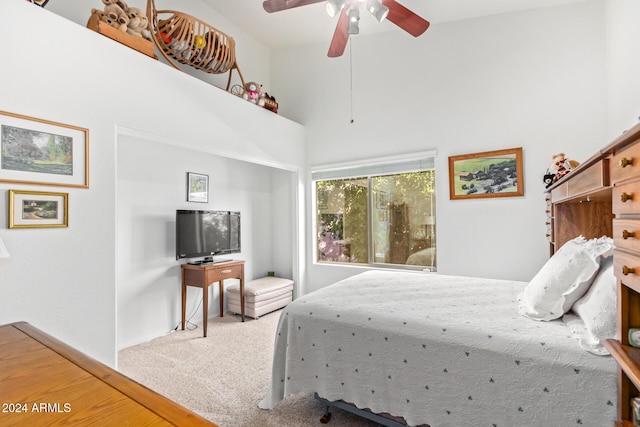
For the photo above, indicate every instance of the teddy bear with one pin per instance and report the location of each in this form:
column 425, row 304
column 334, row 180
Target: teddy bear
column 548, row 178
column 253, row 93
column 116, row 10
column 120, row 3
column 138, row 23
column 560, row 166
column 114, row 14
column 119, row 24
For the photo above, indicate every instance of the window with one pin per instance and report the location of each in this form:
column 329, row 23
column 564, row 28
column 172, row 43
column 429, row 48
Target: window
column 382, row 214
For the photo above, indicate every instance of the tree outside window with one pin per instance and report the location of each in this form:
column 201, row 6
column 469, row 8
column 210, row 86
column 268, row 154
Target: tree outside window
column 380, row 219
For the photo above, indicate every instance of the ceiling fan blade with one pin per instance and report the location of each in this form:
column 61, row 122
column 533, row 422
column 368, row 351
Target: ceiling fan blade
column 405, row 19
column 340, row 37
column 278, row 5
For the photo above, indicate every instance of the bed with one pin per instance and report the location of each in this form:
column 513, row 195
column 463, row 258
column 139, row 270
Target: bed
column 439, row 350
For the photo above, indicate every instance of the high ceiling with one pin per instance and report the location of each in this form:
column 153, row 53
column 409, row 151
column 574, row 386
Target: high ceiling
column 311, row 24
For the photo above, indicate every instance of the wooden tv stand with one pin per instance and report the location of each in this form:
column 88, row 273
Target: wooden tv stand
column 202, row 276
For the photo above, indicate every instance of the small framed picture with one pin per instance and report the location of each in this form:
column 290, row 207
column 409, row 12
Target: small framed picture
column 38, row 209
column 197, row 187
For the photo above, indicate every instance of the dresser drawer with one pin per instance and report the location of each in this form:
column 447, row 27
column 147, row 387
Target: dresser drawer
column 627, row 269
column 626, row 164
column 592, row 179
column 226, row 272
column 626, row 234
column 626, row 198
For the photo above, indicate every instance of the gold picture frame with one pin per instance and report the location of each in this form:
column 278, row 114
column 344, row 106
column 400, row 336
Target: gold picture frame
column 488, row 174
column 41, row 152
column 38, row 209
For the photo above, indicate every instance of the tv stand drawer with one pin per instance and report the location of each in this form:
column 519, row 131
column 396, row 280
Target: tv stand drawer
column 224, row 271
column 204, row 275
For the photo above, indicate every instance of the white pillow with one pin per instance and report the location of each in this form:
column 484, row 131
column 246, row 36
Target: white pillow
column 596, row 312
column 564, row 278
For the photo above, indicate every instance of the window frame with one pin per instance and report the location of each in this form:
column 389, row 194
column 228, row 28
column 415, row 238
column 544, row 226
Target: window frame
column 386, row 166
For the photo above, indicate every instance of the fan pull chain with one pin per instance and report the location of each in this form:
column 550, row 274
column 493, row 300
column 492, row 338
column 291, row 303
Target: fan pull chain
column 351, row 81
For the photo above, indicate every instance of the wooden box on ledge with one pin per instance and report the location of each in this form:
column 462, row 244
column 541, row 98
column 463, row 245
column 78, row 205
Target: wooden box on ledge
column 138, row 43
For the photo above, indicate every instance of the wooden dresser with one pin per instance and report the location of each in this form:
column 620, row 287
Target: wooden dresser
column 44, row 382
column 602, row 197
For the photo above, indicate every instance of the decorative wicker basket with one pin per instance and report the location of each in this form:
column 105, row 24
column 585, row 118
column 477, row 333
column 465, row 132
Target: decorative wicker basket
column 187, row 40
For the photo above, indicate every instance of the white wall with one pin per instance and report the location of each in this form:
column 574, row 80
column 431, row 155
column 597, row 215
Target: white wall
column 64, row 281
column 623, row 61
column 534, row 79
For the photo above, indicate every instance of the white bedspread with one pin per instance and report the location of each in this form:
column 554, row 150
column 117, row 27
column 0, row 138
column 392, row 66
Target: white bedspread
column 439, row 350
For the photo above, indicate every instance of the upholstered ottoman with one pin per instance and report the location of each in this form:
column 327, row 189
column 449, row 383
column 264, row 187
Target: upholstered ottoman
column 261, row 296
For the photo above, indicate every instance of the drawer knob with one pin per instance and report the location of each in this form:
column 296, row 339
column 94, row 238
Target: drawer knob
column 627, row 270
column 225, row 271
column 626, row 234
column 624, row 162
column 624, row 197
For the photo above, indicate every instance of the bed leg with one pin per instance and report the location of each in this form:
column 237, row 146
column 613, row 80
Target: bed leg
column 327, row 415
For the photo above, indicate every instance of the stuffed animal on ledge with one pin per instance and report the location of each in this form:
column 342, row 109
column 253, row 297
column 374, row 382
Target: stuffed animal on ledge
column 253, row 93
column 119, row 24
column 560, row 166
column 129, row 20
column 138, row 23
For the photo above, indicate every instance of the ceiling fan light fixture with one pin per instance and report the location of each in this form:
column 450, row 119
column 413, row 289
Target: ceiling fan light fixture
column 354, row 17
column 334, row 7
column 378, row 10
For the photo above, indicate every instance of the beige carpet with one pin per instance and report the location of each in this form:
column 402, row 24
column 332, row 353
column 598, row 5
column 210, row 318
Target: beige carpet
column 224, row 376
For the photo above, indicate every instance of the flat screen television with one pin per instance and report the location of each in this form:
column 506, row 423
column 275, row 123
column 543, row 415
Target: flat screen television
column 202, row 233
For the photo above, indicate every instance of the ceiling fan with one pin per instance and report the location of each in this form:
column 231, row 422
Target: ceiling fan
column 349, row 11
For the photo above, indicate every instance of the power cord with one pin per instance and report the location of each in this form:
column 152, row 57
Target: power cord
column 188, row 324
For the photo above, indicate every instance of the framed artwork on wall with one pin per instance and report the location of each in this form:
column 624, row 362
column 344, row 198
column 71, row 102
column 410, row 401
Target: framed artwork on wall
column 42, row 152
column 197, row 187
column 488, row 174
column 38, row 209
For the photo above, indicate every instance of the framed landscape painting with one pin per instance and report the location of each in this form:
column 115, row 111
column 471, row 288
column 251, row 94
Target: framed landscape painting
column 489, row 174
column 42, row 152
column 38, row 209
